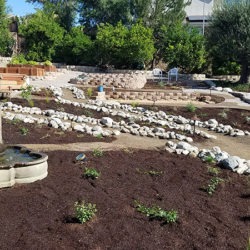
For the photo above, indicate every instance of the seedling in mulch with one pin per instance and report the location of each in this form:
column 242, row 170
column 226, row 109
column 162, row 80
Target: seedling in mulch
column 99, row 136
column 150, row 172
column 157, row 213
column 223, row 114
column 213, row 171
column 209, row 159
column 91, row 173
column 15, row 121
column 213, row 185
column 24, row 131
column 191, row 107
column 97, row 152
column 85, row 211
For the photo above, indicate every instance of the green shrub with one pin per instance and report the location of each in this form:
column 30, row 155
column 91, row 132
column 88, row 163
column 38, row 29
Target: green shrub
column 213, row 171
column 32, row 63
column 191, row 107
column 24, row 131
column 97, row 152
column 213, row 184
column 209, row 159
column 156, row 212
column 91, row 173
column 85, row 211
column 89, row 92
column 47, row 63
column 18, row 59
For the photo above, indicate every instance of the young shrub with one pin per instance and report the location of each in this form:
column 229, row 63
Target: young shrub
column 213, row 184
column 156, row 212
column 191, row 107
column 97, row 152
column 24, row 131
column 213, row 171
column 223, row 114
column 209, row 159
column 85, row 211
column 89, row 92
column 91, row 173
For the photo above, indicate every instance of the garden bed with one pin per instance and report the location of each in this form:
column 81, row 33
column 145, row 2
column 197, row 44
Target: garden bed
column 41, row 215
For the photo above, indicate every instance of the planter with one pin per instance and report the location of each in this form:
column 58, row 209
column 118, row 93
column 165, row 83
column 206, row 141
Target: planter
column 22, row 166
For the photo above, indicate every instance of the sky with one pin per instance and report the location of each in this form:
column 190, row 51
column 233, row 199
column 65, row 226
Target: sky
column 20, row 7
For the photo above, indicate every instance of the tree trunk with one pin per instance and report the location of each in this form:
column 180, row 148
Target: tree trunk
column 245, row 72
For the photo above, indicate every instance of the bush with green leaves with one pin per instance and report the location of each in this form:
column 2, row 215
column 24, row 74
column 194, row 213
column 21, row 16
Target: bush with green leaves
column 213, row 171
column 182, row 46
column 85, row 211
column 91, row 173
column 156, row 212
column 42, row 36
column 213, row 185
column 191, row 107
column 209, row 159
column 124, row 47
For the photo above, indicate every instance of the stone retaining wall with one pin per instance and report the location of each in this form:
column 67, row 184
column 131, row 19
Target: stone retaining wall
column 128, row 81
column 153, row 95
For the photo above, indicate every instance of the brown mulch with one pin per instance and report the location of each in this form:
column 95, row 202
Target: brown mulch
column 43, row 134
column 234, row 117
column 41, row 215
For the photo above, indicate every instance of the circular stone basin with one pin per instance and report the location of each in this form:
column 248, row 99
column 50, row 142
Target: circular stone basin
column 21, row 165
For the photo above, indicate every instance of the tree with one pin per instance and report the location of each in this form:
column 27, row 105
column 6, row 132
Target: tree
column 183, row 47
column 6, row 40
column 77, row 47
column 124, row 47
column 229, row 35
column 64, row 10
column 152, row 13
column 42, row 36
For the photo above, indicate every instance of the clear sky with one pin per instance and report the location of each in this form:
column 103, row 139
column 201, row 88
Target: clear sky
column 20, row 7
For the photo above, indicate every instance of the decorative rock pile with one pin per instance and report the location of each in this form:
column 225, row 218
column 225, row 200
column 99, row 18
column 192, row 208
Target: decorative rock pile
column 134, row 80
column 222, row 158
column 106, row 126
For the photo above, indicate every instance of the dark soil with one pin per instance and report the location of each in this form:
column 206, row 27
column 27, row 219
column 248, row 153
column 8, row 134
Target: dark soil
column 42, row 134
column 41, row 215
column 237, row 118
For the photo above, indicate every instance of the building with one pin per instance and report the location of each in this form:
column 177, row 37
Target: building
column 199, row 12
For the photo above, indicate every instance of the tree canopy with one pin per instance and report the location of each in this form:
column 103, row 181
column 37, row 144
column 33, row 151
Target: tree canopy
column 229, row 35
column 6, row 41
column 42, row 36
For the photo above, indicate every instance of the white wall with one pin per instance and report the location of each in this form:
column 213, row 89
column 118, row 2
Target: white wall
column 196, row 8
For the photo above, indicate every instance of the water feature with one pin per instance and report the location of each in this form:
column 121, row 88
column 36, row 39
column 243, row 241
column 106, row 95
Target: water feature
column 21, row 165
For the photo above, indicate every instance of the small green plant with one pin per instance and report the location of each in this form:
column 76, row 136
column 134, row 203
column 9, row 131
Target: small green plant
column 191, row 107
column 134, row 104
column 247, row 118
column 248, row 244
column 97, row 152
column 24, row 131
column 99, row 136
column 47, row 63
column 91, row 173
column 213, row 184
column 150, row 172
column 209, row 159
column 156, row 212
column 26, row 92
column 88, row 113
column 161, row 84
column 89, row 92
column 15, row 121
column 223, row 114
column 213, row 171
column 85, row 211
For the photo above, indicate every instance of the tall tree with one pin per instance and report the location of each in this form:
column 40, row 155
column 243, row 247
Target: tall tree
column 6, row 40
column 42, row 36
column 229, row 35
column 64, row 10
